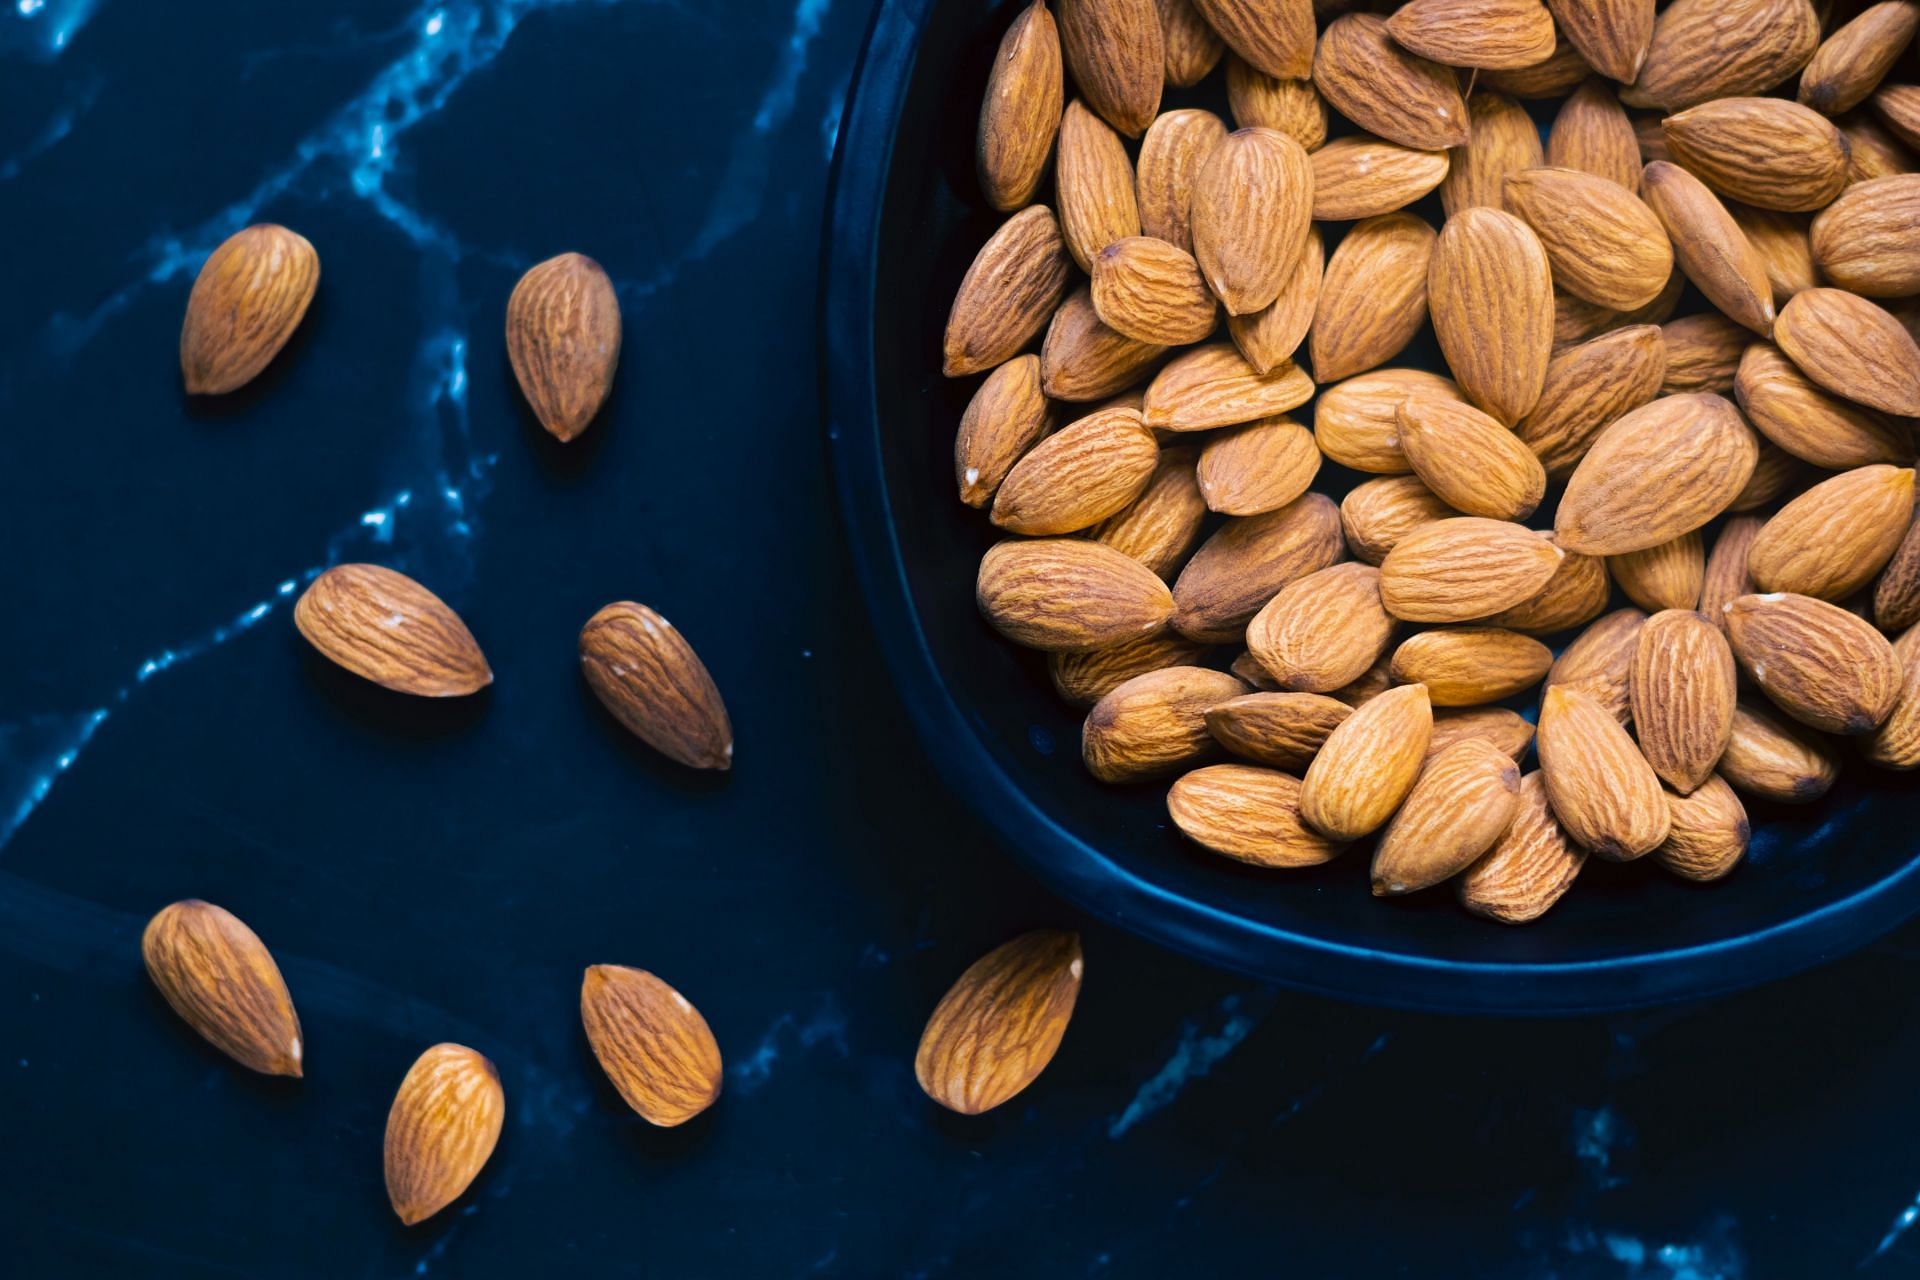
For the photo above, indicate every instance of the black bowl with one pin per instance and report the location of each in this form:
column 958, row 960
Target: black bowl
column 906, row 219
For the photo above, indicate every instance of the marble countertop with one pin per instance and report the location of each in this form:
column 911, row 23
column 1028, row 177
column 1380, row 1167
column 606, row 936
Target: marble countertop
column 445, row 872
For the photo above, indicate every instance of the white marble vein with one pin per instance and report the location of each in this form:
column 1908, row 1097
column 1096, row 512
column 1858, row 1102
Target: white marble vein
column 1195, row 1054
column 827, row 1025
column 1902, row 1224
column 58, row 126
column 42, row 28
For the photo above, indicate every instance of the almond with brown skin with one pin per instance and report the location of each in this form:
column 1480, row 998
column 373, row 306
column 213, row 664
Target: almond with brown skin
column 220, row 978
column 1821, row 665
column 1709, row 833
column 1576, row 320
column 1375, row 682
column 1604, row 793
column 1464, row 800
column 1471, row 666
column 1006, row 417
column 1276, row 36
column 1192, row 48
column 389, row 629
column 1896, row 743
column 1875, row 151
column 1476, row 465
column 1896, row 597
column 1765, row 152
column 1152, row 292
column 1575, row 595
column 1367, row 766
column 1268, row 338
column 1000, row 1024
column 1078, row 476
column 1588, row 387
column 1552, row 78
column 1507, row 730
column 1853, row 349
column 1490, row 292
column 1663, row 470
column 1069, row 594
column 1247, row 562
column 1082, row 359
column 1252, row 204
column 1703, row 353
column 1248, row 814
column 644, row 672
column 1727, row 577
column 249, row 297
column 1770, row 757
column 446, row 1119
column 1021, row 111
column 1259, row 100
column 1213, row 386
column 1599, row 662
column 1592, row 133
column 1117, row 55
column 1833, row 539
column 1360, row 176
column 1502, row 140
column 652, row 1043
column 563, row 338
column 1321, row 632
column 1603, row 243
column 1669, row 576
column 1375, row 515
column 1868, row 240
column 1682, row 691
column 1898, row 106
column 1082, row 679
column 1612, row 35
column 1385, row 89
column 1095, row 183
column 1710, row 247
column 1373, row 299
column 1529, row 868
column 1491, row 35
column 1704, row 49
column 1013, row 286
column 1791, row 410
column 1160, row 526
column 1652, row 139
column 1775, row 473
column 1281, row 730
column 1357, row 424
column 1261, row 466
column 1783, row 242
column 1850, row 63
column 1154, row 723
column 1171, row 157
column 1465, row 568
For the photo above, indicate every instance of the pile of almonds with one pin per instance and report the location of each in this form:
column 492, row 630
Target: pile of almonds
column 1744, row 476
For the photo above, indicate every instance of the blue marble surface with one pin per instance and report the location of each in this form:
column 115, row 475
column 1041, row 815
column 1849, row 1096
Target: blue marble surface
column 429, row 873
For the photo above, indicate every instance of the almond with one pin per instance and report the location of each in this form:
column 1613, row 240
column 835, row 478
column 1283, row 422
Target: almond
column 1875, row 151
column 1213, row 386
column 1486, row 34
column 1082, row 359
column 1152, row 292
column 1896, row 743
column 1006, row 417
column 1079, row 475
column 1588, row 387
column 1359, row 176
column 1669, row 576
column 1261, row 466
column 249, row 297
column 1253, row 674
column 999, row 1026
column 1896, row 597
column 1258, row 100
column 1356, row 422
column 1682, row 691
column 1868, row 240
column 563, row 338
column 1375, row 515
column 1154, row 723
column 441, row 1130
column 1321, row 632
column 1491, row 294
column 1612, row 35
column 646, row 674
column 1464, row 800
column 1171, row 157
column 1160, row 526
column 1529, row 868
column 1015, row 282
column 389, row 629
column 1465, row 568
column 1192, row 48
column 1851, row 61
column 1575, row 595
column 1367, row 766
column 1067, row 594
column 1603, row 243
column 1248, row 814
column 1118, row 58
column 1703, row 49
column 1476, row 465
column 652, row 1043
column 1652, row 139
column 1021, row 111
column 1898, row 105
column 1385, row 89
column 1710, row 247
column 1703, row 353
column 1776, row 472
column 1764, row 152
column 1727, row 577
column 1783, row 243
column 1820, row 664
column 1082, row 679
column 1665, row 469
column 1576, row 320
column 1374, row 296
column 1592, row 133
column 1282, row 730
column 1268, row 338
column 1833, row 539
column 1599, row 662
column 1502, row 140
column 219, row 977
column 1247, row 562
column 1771, row 758
column 1604, row 793
column 1375, row 682
column 1095, row 182
column 1853, row 349
column 1507, row 730
column 1709, row 833
column 1471, row 666
column 1551, row 78
column 1275, row 36
column 1252, row 204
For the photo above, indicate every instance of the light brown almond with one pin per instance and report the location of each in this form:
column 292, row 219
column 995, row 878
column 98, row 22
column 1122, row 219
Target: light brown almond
column 220, row 978
column 1875, row 152
column 1576, row 320
column 1727, row 577
column 1171, row 157
column 1604, row 245
column 1575, row 595
column 1476, row 465
column 1553, row 78
column 1664, row 469
column 1896, row 597
column 1006, row 417
column 1013, row 286
column 1704, row 49
column 1095, row 181
column 1154, row 723
column 1821, row 665
column 652, row 1043
column 1357, row 424
column 1490, row 292
column 1604, row 793
column 1321, row 632
column 1082, row 359
column 1669, row 576
column 1268, row 338
column 1765, row 152
column 1258, row 100
column 1833, row 539
column 1783, row 242
column 1021, row 111
column 1281, row 730
column 1703, row 353
column 1465, row 568
column 1529, row 868
column 1502, row 140
column 1247, row 562
column 1078, row 476
column 1463, row 801
column 1375, row 515
column 387, row 628
column 1152, row 292
column 646, row 674
column 1117, row 55
column 1373, row 299
column 1709, row 833
column 1082, row 679
column 1588, row 387
column 1850, row 62
column 1275, row 36
column 1068, row 594
column 1261, row 466
column 1192, row 48
column 1852, row 348
column 1252, row 204
column 1868, row 240
column 1000, row 1024
column 1592, row 133
column 1896, row 743
column 1509, row 731
column 1770, row 757
column 1599, row 662
column 1710, row 247
column 1251, row 815
column 444, row 1123
column 249, row 297
column 1682, row 690
column 1367, row 766
column 1385, row 89
column 1492, row 35
column 1214, row 386
column 1160, row 526
column 1361, row 176
column 1898, row 106
column 1471, row 666
column 1612, row 35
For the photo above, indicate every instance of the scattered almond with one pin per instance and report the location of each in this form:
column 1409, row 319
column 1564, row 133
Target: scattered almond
column 446, row 1119
column 644, row 672
column 220, row 978
column 999, row 1026
column 652, row 1043
column 249, row 297
column 387, row 628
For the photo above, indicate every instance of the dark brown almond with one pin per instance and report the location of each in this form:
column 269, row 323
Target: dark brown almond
column 1021, row 111
column 1067, row 594
column 1261, row 466
column 387, row 628
column 1823, row 666
column 1117, row 55
column 1384, row 89
column 1248, row 814
column 1682, row 690
column 1281, row 730
column 1013, row 286
column 1248, row 560
column 1664, row 469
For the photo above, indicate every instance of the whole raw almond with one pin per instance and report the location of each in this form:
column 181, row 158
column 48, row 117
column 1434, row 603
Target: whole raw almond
column 1789, row 409
column 1868, row 240
column 1896, row 743
column 444, row 1123
column 1275, row 36
column 1192, row 48
column 1604, row 793
column 644, row 672
column 1502, row 140
column 1154, row 723
column 1082, row 679
column 1490, row 292
column 1463, row 801
column 1575, row 595
column 1603, row 243
column 1664, row 469
column 563, row 339
column 1876, row 152
column 1490, row 35
column 1652, row 139
column 1373, row 299
column 1613, row 35
column 1098, row 204
column 1898, row 106
column 1772, row 758
column 1006, row 417
column 389, row 629
column 1357, row 424
column 1592, row 133
column 1709, row 833
column 1476, row 465
column 1000, row 1024
column 1153, row 292
column 1117, row 55
column 1853, row 349
column 1268, row 338
column 1710, row 247
column 1784, row 243
column 1375, row 515
column 1082, row 359
column 1682, row 689
column 1669, row 576
column 652, row 1043
column 1375, row 682
column 1171, row 157
column 1385, row 89
column 1896, row 597
column 1551, row 78
column 1821, row 665
column 1509, row 731
column 1367, row 766
column 1360, row 176
column 1248, row 561
column 1252, row 204
column 1021, row 111
column 1261, row 466
column 1079, row 475
column 1160, row 526
column 1321, row 632
column 1727, row 577
column 1576, row 320
column 1775, row 473
column 1833, row 539
column 1765, row 152
column 1281, row 730
column 1249, row 814
column 1588, row 387
column 1703, row 353
column 1258, row 100
column 249, row 297
column 220, row 978
column 1067, row 594
column 1471, row 666
column 1529, row 868
column 1214, row 386
column 1599, row 662
column 1465, row 568
column 1704, row 49
column 1850, row 62
column 1013, row 286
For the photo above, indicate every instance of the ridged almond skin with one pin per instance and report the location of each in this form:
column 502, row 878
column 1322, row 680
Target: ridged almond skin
column 1774, row 473
column 1067, row 594
column 1249, row 814
column 1727, row 578
column 1490, row 292
column 1575, row 595
column 1375, row 515
column 1463, row 801
column 1868, row 240
column 1082, row 359
column 1214, row 386
column 1248, row 560
column 249, row 297
column 1770, row 757
column 1321, row 632
column 1020, row 113
column 1368, row 78
column 652, row 1043
column 1896, row 597
column 1665, row 469
column 1576, row 320
column 1784, row 244
column 1171, row 156
column 1252, row 205
column 1258, row 100
column 1765, row 152
column 1898, row 106
column 1709, row 832
column 1705, row 49
column 1604, row 793
column 1000, row 1024
column 644, row 672
column 1261, row 466
column 1823, row 666
column 1833, row 539
column 220, row 978
column 1268, row 338
column 563, row 339
column 1588, row 387
column 1006, row 417
column 1373, row 299
column 1161, row 525
column 1852, row 348
column 1612, row 35
column 1508, row 731
column 1154, row 723
column 1471, row 666
column 1275, row 36
column 1599, row 662
column 1489, row 35
column 1078, row 476
column 1791, row 410
column 1360, row 176
column 1502, row 140
column 1095, row 184
column 387, row 628
column 444, row 1123
column 1465, row 568
column 1703, row 353
column 1367, row 766
column 1152, row 292
column 1604, row 245
column 1896, row 743
column 1876, row 151
column 1552, row 78
column 1669, row 576
column 1682, row 690
column 1850, row 63
column 1192, row 47
column 1117, row 55
column 1710, row 247
column 1356, row 422
column 1013, row 286
column 1280, row 730
column 1593, row 134
column 1082, row 679
column 1474, row 463
column 1528, row 869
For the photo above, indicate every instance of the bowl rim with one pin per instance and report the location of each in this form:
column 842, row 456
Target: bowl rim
column 1080, row 872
